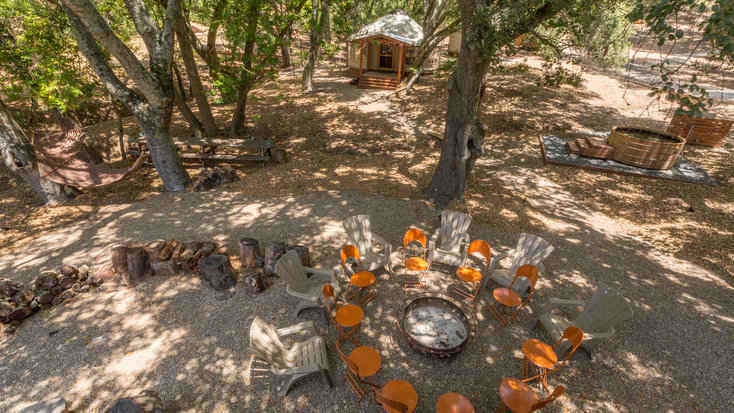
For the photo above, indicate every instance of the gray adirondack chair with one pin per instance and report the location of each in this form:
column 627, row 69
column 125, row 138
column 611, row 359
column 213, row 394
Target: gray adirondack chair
column 373, row 249
column 597, row 318
column 289, row 364
column 303, row 282
column 530, row 249
column 449, row 243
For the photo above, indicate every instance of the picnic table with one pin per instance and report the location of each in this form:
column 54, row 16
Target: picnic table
column 219, row 150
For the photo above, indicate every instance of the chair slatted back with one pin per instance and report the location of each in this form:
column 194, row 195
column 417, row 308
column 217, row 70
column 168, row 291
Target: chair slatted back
column 530, row 249
column 605, row 309
column 266, row 344
column 453, row 225
column 359, row 231
column 290, row 268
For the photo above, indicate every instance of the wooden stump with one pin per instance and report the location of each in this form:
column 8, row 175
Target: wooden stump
column 119, row 259
column 273, row 251
column 303, row 253
column 250, row 253
column 254, row 283
column 278, row 155
column 137, row 265
column 217, row 271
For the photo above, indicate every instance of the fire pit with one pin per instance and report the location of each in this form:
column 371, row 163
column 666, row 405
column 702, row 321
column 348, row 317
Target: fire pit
column 435, row 326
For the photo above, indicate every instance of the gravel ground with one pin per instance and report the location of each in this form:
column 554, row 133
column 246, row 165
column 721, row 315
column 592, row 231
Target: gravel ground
column 189, row 343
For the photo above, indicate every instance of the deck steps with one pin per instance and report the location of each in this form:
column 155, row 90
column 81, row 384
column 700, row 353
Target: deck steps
column 374, row 82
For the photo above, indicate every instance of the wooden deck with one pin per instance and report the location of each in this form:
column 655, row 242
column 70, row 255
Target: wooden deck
column 378, row 80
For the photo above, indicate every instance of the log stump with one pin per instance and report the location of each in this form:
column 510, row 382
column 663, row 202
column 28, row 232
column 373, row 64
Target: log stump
column 254, row 283
column 217, row 272
column 137, row 265
column 119, row 259
column 273, row 251
column 250, row 256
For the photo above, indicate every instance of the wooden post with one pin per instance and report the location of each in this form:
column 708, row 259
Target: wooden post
column 400, row 62
column 361, row 47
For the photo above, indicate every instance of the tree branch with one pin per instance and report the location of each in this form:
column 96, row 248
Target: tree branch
column 144, row 23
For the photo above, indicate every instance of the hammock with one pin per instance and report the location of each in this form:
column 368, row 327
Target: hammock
column 62, row 162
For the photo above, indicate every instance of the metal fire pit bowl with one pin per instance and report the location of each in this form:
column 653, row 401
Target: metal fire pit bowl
column 435, row 326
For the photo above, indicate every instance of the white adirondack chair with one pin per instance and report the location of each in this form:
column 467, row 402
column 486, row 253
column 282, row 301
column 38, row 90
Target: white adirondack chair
column 530, row 249
column 597, row 318
column 449, row 243
column 303, row 282
column 373, row 249
column 289, row 364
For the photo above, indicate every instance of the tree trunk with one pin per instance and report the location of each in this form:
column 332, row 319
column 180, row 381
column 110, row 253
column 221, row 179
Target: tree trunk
column 19, row 158
column 163, row 152
column 238, row 118
column 247, row 78
column 180, row 99
column 192, row 71
column 285, row 48
column 319, row 16
column 463, row 133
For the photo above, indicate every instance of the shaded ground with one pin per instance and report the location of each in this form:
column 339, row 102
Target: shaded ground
column 666, row 246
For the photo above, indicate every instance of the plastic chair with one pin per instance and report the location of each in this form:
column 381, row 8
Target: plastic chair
column 520, row 398
column 359, row 280
column 362, row 362
column 509, row 299
column 536, row 354
column 415, row 240
column 347, row 318
column 479, row 249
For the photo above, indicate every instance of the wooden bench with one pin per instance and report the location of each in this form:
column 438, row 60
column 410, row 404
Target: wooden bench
column 215, row 151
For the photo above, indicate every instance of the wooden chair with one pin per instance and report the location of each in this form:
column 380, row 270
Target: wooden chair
column 347, row 317
column 358, row 280
column 530, row 249
column 302, row 282
column 289, row 364
column 477, row 249
column 506, row 298
column 547, row 359
column 415, row 248
column 448, row 244
column 520, row 398
column 362, row 362
column 397, row 396
column 596, row 318
column 375, row 250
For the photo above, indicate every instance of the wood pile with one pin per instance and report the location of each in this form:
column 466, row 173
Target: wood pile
column 213, row 177
column 133, row 262
column 50, row 288
column 591, row 147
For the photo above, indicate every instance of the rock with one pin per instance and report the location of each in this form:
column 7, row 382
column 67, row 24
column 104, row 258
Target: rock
column 217, row 271
column 47, row 406
column 45, row 297
column 148, row 401
column 46, row 281
column 83, row 273
column 24, row 298
column 6, row 307
column 66, row 282
column 80, row 287
column 64, row 296
column 20, row 314
column 68, row 271
column 8, row 288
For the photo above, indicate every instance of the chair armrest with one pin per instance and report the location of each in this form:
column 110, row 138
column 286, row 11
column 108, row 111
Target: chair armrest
column 592, row 336
column 385, row 245
column 433, row 241
column 563, row 301
column 302, row 327
column 320, row 275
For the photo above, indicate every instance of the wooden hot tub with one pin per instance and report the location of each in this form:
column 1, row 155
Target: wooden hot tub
column 645, row 148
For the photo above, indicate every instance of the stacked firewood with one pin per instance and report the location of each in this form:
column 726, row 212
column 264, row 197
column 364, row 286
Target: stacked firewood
column 133, row 262
column 50, row 288
column 591, row 147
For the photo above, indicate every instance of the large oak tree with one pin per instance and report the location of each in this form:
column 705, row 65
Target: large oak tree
column 151, row 99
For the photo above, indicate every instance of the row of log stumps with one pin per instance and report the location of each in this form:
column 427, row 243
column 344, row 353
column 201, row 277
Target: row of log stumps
column 256, row 265
column 50, row 288
column 133, row 262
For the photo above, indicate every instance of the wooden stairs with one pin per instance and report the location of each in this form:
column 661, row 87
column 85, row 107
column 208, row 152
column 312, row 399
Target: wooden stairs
column 377, row 82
